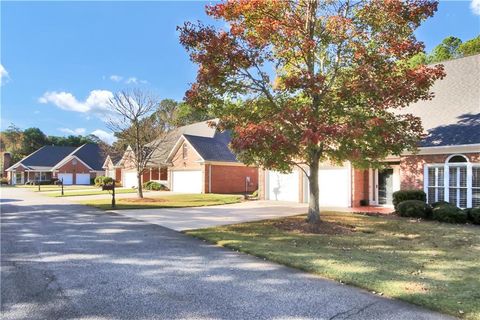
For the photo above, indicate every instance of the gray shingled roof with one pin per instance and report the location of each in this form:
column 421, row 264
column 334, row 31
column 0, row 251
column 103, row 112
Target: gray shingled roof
column 92, row 155
column 165, row 144
column 452, row 117
column 214, row 148
column 47, row 156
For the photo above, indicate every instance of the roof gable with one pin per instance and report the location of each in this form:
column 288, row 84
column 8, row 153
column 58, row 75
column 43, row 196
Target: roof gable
column 91, row 154
column 213, row 149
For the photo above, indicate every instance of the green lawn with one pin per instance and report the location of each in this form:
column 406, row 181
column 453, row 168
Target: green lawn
column 167, row 201
column 431, row 264
column 91, row 192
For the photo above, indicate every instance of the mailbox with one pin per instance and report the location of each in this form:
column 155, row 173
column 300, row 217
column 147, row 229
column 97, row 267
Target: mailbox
column 107, row 187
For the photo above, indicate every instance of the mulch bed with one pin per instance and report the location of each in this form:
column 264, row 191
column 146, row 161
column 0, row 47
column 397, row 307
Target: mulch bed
column 323, row 227
column 142, row 200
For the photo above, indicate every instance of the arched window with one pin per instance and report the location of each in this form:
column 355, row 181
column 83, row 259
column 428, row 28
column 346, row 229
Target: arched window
column 457, row 158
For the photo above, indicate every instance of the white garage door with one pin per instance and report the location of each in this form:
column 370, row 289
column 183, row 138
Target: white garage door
column 334, row 185
column 82, row 178
column 66, row 177
column 130, row 180
column 283, row 186
column 187, row 181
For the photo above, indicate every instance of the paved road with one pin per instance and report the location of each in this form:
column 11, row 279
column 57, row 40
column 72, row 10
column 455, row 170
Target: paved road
column 65, row 261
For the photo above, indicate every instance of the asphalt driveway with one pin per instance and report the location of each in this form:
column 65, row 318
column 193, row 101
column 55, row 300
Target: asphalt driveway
column 66, row 261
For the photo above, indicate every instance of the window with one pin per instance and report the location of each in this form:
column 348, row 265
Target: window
column 436, row 185
column 458, row 186
column 476, row 186
column 456, row 181
column 184, row 151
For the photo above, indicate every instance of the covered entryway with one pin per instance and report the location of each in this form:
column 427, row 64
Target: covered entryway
column 187, row 181
column 82, row 178
column 130, row 180
column 283, row 186
column 67, row 178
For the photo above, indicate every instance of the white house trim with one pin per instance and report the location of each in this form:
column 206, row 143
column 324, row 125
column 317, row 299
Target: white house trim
column 177, row 145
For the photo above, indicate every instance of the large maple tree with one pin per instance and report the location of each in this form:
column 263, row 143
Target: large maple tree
column 301, row 82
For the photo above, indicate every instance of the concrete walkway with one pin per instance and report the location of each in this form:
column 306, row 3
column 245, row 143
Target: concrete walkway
column 66, row 261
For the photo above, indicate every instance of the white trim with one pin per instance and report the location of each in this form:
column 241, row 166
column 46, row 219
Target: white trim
column 178, row 144
column 68, row 158
column 455, row 155
column 461, row 148
column 105, row 166
column 16, row 165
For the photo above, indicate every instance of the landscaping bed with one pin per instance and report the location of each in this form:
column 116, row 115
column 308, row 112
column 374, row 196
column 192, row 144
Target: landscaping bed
column 167, row 201
column 428, row 263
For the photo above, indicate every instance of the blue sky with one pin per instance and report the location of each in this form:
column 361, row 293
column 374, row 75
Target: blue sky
column 61, row 60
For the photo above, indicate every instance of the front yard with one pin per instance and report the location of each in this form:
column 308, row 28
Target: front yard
column 167, row 201
column 431, row 264
column 89, row 192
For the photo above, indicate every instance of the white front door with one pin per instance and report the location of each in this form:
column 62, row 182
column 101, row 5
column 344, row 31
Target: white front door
column 130, row 180
column 187, row 181
column 82, row 178
column 67, row 178
column 283, row 186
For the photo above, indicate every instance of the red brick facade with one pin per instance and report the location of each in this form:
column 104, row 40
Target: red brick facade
column 412, row 167
column 359, row 186
column 79, row 167
column 230, row 179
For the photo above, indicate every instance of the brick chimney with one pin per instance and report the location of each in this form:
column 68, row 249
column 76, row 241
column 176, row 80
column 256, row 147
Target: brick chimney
column 7, row 162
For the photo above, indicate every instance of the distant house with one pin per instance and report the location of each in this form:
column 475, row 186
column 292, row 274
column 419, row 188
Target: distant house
column 191, row 159
column 447, row 166
column 70, row 164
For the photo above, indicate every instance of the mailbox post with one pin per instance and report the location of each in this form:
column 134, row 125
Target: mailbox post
column 62, row 185
column 110, row 187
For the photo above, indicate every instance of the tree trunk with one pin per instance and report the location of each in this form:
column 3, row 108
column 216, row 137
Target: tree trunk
column 140, row 187
column 314, row 203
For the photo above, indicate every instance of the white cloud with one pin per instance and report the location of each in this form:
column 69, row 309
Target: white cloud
column 77, row 131
column 96, row 102
column 131, row 80
column 104, row 136
column 116, row 78
column 4, row 77
column 475, row 6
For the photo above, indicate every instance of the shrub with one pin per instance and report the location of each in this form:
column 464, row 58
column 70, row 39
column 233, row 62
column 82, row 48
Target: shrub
column 364, row 202
column 414, row 209
column 473, row 215
column 102, row 180
column 449, row 213
column 439, row 203
column 403, row 195
column 153, row 185
column 3, row 181
column 255, row 194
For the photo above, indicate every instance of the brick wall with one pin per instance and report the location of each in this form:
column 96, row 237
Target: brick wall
column 230, row 179
column 79, row 167
column 191, row 161
column 118, row 175
column 411, row 167
column 359, row 186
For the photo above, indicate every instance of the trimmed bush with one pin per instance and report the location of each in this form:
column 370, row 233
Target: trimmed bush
column 102, row 180
column 3, row 181
column 155, row 186
column 403, row 195
column 449, row 213
column 439, row 203
column 414, row 209
column 473, row 215
column 255, row 194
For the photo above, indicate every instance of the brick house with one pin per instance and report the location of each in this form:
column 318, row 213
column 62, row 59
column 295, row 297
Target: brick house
column 446, row 167
column 70, row 164
column 190, row 159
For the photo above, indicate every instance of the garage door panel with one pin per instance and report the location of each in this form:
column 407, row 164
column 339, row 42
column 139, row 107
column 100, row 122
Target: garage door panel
column 283, row 186
column 334, row 186
column 67, row 178
column 187, row 181
column 130, row 180
column 82, row 178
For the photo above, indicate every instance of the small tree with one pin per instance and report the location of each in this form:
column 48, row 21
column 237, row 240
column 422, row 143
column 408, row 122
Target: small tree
column 299, row 82
column 136, row 124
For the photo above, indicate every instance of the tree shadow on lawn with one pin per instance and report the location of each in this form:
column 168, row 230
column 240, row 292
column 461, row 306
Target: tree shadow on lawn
column 426, row 263
column 69, row 261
